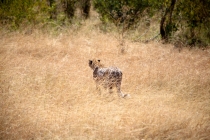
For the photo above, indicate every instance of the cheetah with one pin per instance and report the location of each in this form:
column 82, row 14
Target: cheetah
column 107, row 77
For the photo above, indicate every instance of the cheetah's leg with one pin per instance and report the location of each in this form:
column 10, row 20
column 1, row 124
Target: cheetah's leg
column 98, row 88
column 120, row 94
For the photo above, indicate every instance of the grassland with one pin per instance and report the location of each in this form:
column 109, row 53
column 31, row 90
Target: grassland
column 47, row 90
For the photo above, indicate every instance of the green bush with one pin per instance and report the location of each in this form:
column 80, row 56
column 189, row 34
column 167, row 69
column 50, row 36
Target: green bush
column 186, row 21
column 122, row 13
column 15, row 12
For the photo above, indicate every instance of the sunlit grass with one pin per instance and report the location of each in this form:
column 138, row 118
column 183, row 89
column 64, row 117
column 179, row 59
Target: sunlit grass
column 47, row 90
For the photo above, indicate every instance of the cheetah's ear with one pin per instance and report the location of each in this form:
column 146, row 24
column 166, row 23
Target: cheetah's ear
column 90, row 61
column 99, row 60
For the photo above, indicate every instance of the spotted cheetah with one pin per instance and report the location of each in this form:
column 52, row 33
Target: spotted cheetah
column 107, row 77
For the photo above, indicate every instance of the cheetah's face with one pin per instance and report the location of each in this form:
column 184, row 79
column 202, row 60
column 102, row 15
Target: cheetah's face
column 94, row 64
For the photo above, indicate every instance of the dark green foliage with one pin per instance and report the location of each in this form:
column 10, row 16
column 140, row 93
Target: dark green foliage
column 187, row 21
column 195, row 15
column 183, row 20
column 69, row 7
column 15, row 12
column 12, row 11
column 121, row 12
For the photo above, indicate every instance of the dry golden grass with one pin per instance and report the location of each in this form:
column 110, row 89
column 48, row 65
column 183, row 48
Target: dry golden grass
column 47, row 90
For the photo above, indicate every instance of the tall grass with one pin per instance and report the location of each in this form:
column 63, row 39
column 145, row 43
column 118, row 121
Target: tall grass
column 47, row 90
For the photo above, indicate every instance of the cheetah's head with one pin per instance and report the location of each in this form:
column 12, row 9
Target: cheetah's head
column 94, row 64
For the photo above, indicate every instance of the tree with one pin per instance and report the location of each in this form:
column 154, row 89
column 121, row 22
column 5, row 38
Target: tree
column 122, row 13
column 166, row 26
column 178, row 18
column 195, row 15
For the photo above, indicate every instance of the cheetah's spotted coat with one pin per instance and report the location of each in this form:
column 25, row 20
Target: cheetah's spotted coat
column 108, row 77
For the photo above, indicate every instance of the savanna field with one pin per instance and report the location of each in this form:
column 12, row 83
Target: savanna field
column 47, row 90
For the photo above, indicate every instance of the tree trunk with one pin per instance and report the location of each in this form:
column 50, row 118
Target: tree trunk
column 86, row 8
column 163, row 32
